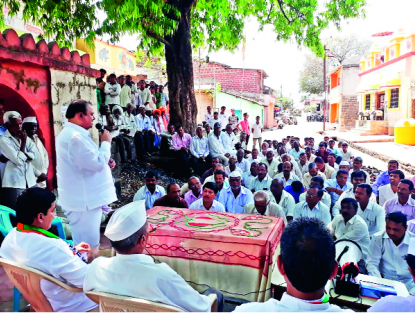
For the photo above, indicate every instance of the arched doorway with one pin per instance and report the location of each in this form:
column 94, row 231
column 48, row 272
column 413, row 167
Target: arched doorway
column 13, row 100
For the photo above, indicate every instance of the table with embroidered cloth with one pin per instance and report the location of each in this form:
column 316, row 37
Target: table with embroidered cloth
column 231, row 252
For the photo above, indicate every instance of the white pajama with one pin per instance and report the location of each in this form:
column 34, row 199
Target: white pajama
column 85, row 226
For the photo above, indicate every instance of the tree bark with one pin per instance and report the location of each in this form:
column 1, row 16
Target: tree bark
column 179, row 67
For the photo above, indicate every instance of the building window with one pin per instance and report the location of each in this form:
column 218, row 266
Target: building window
column 394, row 98
column 367, row 102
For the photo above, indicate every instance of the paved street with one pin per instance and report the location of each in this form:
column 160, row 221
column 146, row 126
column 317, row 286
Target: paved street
column 310, row 129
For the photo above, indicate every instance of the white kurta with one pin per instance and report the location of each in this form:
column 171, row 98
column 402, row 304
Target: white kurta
column 54, row 257
column 138, row 276
column 41, row 161
column 19, row 172
column 83, row 175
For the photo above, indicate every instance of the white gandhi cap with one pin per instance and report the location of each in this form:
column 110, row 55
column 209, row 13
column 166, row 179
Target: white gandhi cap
column 29, row 120
column 126, row 221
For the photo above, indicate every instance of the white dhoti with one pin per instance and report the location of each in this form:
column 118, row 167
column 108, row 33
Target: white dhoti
column 85, row 226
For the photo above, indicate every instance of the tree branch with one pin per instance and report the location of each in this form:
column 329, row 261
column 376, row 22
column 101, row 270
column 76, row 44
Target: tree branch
column 158, row 38
column 269, row 13
column 284, row 13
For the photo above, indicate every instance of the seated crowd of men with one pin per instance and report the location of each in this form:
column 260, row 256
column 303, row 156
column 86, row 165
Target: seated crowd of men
column 322, row 193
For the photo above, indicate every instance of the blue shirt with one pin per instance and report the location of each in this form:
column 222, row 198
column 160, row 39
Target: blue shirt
column 294, row 194
column 296, row 154
column 144, row 194
column 335, row 151
column 381, row 180
column 235, row 205
column 163, row 99
column 333, row 183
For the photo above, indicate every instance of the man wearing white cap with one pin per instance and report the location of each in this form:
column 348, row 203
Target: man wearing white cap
column 84, row 176
column 41, row 162
column 18, row 153
column 236, row 197
column 399, row 303
column 135, row 274
column 344, row 165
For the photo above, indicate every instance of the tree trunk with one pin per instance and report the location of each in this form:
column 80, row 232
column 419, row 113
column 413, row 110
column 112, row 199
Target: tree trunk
column 179, row 66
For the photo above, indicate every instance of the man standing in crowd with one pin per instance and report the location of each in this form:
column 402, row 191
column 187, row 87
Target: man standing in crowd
column 41, row 161
column 125, row 95
column 172, row 199
column 244, row 126
column 403, row 202
column 164, row 100
column 144, row 93
column 112, row 91
column 233, row 119
column 144, row 138
column 18, row 153
column 208, row 115
column 208, row 202
column 200, row 152
column 214, row 120
column 387, row 250
column 303, row 240
column 150, row 192
column 84, row 176
column 257, row 133
column 223, row 118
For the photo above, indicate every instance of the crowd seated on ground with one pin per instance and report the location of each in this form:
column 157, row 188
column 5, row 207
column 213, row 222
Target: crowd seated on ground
column 321, row 187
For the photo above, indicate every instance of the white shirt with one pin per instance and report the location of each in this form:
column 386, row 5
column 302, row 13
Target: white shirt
column 367, row 176
column 54, row 257
column 145, row 95
column 386, row 260
column 131, row 123
column 228, row 142
column 386, row 193
column 158, row 125
column 303, row 168
column 258, row 185
column 394, row 304
column 216, row 206
column 271, row 168
column 144, row 123
column 355, row 230
column 83, row 175
column 288, row 304
column 296, row 169
column 251, row 160
column 257, row 133
column 138, row 276
column 145, row 194
column 292, row 178
column 237, row 169
column 19, row 171
column 244, row 165
column 235, row 205
column 216, row 146
column 41, row 161
column 346, row 156
column 247, row 178
column 199, row 147
column 112, row 93
column 320, row 212
column 208, row 116
column 374, row 216
column 287, row 202
column 326, row 198
column 273, row 210
column 212, row 121
column 349, row 193
column 223, row 118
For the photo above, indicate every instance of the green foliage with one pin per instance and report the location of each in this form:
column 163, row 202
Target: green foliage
column 285, row 103
column 310, row 108
column 218, row 23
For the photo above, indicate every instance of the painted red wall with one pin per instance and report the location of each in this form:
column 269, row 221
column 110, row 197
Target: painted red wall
column 25, row 88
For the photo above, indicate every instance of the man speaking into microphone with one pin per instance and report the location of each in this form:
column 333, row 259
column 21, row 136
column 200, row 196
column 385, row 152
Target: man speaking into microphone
column 84, row 173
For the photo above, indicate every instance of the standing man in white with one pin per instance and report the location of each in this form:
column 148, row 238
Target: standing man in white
column 84, row 173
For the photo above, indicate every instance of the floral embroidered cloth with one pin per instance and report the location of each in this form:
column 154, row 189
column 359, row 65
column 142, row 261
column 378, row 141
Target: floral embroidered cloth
column 228, row 239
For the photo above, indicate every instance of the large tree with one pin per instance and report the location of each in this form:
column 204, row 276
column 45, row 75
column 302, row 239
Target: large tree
column 176, row 27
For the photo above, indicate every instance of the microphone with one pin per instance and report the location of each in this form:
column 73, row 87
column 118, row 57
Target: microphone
column 99, row 127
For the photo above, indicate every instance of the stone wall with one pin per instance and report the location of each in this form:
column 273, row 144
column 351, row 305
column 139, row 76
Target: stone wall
column 348, row 115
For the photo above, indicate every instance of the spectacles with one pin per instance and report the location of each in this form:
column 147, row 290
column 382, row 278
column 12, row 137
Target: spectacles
column 311, row 195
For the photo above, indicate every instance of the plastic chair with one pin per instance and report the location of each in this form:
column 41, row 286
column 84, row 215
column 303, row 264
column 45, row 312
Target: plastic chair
column 119, row 303
column 28, row 281
column 6, row 226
